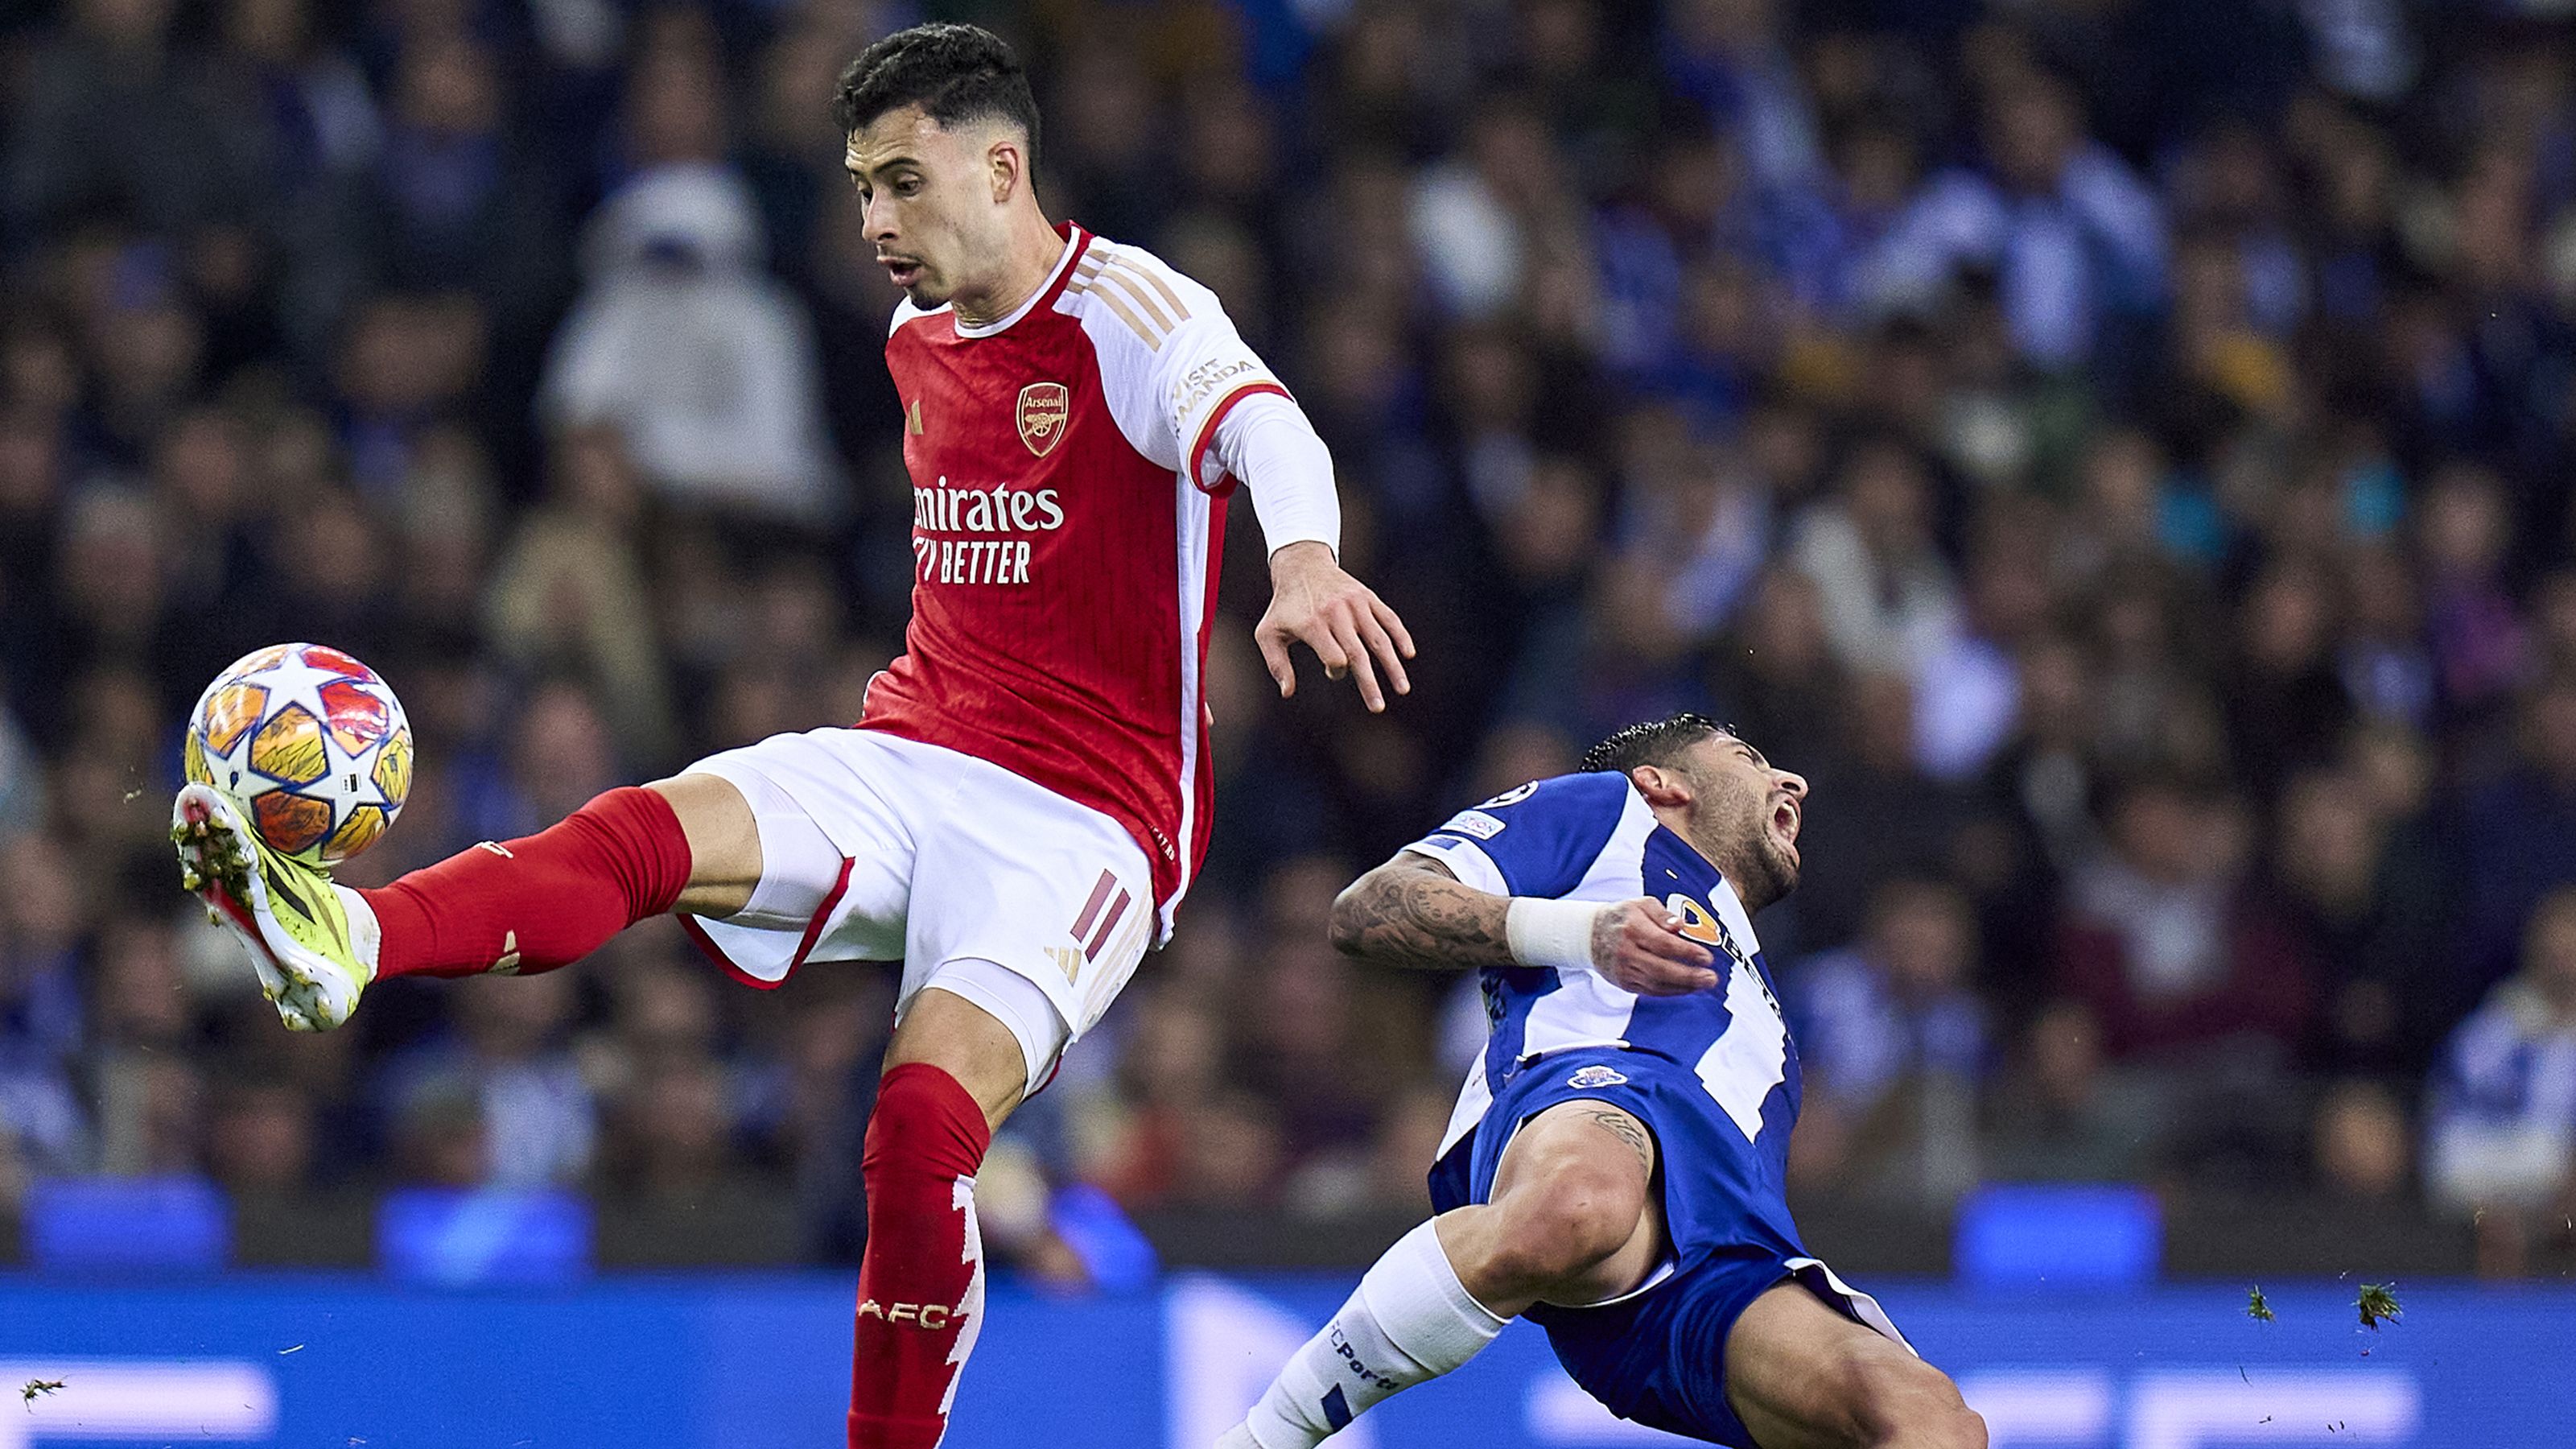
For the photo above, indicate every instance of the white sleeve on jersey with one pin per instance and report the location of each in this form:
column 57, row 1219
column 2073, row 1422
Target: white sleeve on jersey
column 1178, row 379
column 1266, row 441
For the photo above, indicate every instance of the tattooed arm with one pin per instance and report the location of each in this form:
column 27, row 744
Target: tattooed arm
column 1412, row 911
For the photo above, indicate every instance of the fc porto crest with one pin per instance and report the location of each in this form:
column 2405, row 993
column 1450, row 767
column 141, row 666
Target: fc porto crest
column 1045, row 408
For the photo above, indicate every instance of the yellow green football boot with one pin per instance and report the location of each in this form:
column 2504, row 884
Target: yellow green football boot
column 313, row 942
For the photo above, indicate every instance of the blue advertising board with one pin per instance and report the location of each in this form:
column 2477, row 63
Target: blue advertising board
column 719, row 1362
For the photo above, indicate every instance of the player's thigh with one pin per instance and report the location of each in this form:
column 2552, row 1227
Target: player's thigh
column 1803, row 1376
column 781, row 830
column 724, row 842
column 1017, row 887
column 1574, row 1198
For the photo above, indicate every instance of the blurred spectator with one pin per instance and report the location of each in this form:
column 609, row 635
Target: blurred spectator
column 1233, row 1154
column 142, row 1000
column 1892, row 1039
column 2476, row 632
column 1890, row 603
column 1105, row 148
column 1730, row 57
column 1776, row 678
column 2363, row 1146
column 1874, row 816
column 440, row 1135
column 2072, row 236
column 2518, row 834
column 2065, row 1115
column 1174, row 1049
column 455, row 200
column 41, row 1026
column 325, row 119
column 2371, row 921
column 260, row 1138
column 2501, row 1129
column 569, row 593
column 670, row 1137
column 703, row 363
column 502, row 1094
column 1484, row 222
column 404, row 368
column 1968, row 686
column 2163, row 940
column 2287, row 703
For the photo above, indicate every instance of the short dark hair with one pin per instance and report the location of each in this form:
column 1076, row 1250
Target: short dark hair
column 953, row 72
column 1652, row 742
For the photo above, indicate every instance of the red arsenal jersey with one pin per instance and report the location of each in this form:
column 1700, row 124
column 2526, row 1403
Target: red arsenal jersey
column 1067, row 518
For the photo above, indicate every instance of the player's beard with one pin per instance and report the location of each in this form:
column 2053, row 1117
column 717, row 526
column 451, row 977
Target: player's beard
column 1778, row 871
column 1738, row 823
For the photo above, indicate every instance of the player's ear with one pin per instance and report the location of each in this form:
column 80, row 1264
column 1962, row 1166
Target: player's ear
column 1660, row 786
column 1006, row 162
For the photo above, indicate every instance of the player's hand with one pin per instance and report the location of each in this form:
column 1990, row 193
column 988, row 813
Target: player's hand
column 1347, row 625
column 1639, row 946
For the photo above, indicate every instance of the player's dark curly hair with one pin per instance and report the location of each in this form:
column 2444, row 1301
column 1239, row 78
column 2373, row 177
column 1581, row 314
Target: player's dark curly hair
column 953, row 72
column 1652, row 742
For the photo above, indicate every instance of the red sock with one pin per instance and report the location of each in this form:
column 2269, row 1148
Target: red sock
column 538, row 902
column 921, row 1282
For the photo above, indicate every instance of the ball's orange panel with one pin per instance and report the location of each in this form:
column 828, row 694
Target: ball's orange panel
column 355, row 834
column 230, row 710
column 393, row 767
column 289, row 747
column 291, row 823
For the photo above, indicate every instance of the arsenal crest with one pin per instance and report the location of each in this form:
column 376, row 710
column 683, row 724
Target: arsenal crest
column 1044, row 409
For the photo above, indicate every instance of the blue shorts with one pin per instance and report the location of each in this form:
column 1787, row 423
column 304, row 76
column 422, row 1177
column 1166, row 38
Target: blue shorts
column 1658, row 1355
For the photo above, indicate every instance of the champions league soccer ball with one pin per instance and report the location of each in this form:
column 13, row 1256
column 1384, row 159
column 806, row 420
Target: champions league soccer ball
column 310, row 743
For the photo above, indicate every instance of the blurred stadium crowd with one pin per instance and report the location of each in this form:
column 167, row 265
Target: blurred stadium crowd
column 2118, row 451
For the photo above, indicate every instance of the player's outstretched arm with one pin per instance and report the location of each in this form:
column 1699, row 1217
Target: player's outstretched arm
column 1412, row 911
column 1314, row 602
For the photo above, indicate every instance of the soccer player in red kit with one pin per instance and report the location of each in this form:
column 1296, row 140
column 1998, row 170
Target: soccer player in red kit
column 1022, row 806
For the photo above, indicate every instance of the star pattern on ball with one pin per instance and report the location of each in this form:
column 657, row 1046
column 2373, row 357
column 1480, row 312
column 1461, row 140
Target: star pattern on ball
column 294, row 681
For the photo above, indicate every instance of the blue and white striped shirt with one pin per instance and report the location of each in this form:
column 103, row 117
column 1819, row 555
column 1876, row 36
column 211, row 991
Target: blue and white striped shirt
column 1592, row 837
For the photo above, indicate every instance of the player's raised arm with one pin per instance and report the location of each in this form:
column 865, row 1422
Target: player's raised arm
column 1231, row 417
column 1412, row 911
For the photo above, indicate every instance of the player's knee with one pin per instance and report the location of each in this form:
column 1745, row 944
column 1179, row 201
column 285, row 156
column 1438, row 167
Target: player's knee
column 1569, row 1222
column 924, row 1119
column 1954, row 1427
column 1901, row 1402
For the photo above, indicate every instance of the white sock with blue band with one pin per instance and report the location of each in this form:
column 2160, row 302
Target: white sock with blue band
column 1411, row 1320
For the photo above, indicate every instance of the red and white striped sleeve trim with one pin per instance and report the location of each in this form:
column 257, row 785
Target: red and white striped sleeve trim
column 1205, row 441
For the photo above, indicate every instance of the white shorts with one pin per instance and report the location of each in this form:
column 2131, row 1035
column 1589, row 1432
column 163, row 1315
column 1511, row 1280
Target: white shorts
column 878, row 848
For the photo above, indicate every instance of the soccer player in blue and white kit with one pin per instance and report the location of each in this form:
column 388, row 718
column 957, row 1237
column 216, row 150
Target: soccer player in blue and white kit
column 1614, row 1168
